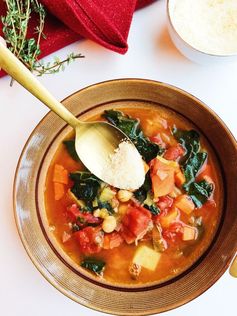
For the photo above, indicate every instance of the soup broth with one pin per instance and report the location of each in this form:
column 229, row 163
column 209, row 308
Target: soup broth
column 154, row 233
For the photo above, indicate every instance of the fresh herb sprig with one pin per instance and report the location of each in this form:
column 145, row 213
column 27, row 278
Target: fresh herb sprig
column 15, row 30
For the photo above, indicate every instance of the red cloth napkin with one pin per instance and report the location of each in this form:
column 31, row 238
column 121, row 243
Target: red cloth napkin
column 106, row 22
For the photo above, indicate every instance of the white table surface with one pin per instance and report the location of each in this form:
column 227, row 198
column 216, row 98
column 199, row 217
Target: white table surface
column 23, row 291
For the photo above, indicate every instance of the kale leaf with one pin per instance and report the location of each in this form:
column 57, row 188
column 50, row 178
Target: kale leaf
column 141, row 193
column 131, row 127
column 193, row 159
column 200, row 192
column 106, row 205
column 86, row 186
column 153, row 209
column 95, row 265
column 70, row 146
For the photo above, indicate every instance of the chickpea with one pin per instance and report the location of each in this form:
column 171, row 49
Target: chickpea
column 109, row 224
column 124, row 195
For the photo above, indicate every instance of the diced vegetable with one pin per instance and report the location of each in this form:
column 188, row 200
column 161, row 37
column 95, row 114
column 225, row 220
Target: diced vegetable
column 60, row 174
column 146, row 167
column 141, row 193
column 112, row 240
column 124, row 195
column 159, row 243
column 147, row 258
column 66, row 236
column 165, row 202
column 131, row 127
column 176, row 192
column 162, row 176
column 95, row 265
column 102, row 213
column 59, row 191
column 82, row 218
column 70, row 146
column 109, row 224
column 179, row 178
column 174, row 152
column 174, row 231
column 107, row 194
column 137, row 220
column 150, row 205
column 200, row 192
column 170, row 217
column 184, row 203
column 189, row 233
column 72, row 196
column 135, row 270
column 90, row 239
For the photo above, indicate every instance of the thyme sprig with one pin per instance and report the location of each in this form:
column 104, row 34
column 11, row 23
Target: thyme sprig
column 15, row 29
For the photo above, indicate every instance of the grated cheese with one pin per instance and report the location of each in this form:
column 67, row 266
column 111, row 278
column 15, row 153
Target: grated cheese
column 125, row 168
column 207, row 25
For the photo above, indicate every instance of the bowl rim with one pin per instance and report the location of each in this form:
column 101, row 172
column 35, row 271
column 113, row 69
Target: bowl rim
column 31, row 256
column 177, row 34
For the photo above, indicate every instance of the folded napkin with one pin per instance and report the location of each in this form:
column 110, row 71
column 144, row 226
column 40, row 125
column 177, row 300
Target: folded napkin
column 106, row 22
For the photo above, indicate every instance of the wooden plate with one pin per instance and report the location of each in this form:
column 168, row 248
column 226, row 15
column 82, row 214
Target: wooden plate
column 42, row 247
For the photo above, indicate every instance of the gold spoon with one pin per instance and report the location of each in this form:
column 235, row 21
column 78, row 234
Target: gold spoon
column 95, row 142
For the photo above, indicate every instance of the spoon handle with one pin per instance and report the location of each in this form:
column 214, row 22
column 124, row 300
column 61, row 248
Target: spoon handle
column 11, row 64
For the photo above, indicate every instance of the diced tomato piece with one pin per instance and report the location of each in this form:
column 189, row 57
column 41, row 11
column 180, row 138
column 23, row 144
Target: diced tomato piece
column 174, row 231
column 112, row 240
column 90, row 239
column 158, row 140
column 128, row 236
column 174, row 152
column 73, row 212
column 75, row 215
column 135, row 222
column 165, row 202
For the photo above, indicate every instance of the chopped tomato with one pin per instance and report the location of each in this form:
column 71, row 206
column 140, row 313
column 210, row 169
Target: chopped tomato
column 174, row 152
column 112, row 240
column 135, row 223
column 165, row 202
column 75, row 215
column 158, row 140
column 174, row 231
column 90, row 239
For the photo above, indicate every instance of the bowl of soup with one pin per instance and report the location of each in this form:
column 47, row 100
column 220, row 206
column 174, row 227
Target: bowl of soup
column 131, row 252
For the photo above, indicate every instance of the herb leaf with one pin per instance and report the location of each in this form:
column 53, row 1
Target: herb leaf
column 153, row 209
column 70, row 146
column 193, row 160
column 200, row 192
column 95, row 265
column 131, row 127
column 86, row 185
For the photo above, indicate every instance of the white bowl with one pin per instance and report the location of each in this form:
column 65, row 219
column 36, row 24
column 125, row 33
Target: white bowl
column 191, row 52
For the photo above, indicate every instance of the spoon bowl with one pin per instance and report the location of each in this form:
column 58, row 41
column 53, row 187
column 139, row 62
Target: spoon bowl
column 95, row 142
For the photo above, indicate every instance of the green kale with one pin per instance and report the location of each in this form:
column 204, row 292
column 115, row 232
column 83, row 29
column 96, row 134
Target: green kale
column 93, row 264
column 193, row 159
column 200, row 192
column 86, row 186
column 153, row 209
column 106, row 205
column 141, row 193
column 70, row 146
column 131, row 127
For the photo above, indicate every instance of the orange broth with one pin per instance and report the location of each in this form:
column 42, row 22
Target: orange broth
column 180, row 255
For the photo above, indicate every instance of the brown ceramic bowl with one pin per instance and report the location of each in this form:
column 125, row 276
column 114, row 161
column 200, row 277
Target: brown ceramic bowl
column 42, row 247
